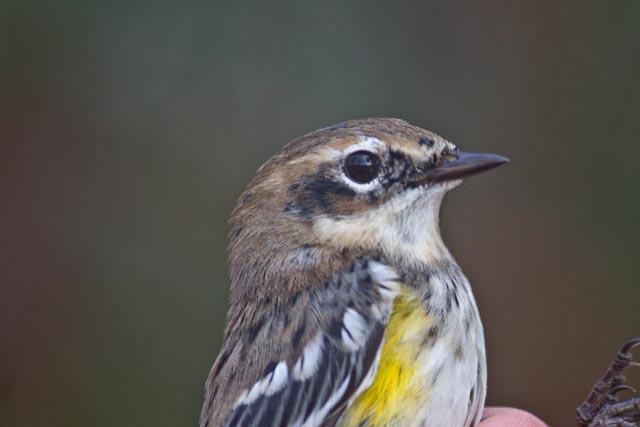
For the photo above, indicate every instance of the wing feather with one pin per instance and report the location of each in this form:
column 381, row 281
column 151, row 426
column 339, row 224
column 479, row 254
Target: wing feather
column 334, row 365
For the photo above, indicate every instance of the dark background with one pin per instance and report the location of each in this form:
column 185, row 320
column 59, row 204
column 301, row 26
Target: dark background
column 128, row 130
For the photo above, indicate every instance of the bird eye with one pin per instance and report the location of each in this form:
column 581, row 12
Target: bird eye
column 362, row 166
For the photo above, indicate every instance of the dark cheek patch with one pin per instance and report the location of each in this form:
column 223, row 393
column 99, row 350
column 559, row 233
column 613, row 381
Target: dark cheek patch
column 328, row 193
column 319, row 195
column 324, row 194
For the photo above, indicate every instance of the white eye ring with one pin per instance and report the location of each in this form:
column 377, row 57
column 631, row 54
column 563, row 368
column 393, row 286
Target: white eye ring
column 368, row 144
column 358, row 187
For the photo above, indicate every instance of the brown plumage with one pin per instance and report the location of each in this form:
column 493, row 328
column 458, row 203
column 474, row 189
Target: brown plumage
column 294, row 270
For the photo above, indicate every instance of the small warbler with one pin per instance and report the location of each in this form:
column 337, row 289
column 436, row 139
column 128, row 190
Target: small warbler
column 346, row 307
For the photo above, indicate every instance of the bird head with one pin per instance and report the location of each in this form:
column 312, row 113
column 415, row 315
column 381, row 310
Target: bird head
column 372, row 185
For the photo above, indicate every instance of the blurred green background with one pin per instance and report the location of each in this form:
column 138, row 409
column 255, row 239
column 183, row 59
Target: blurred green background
column 129, row 129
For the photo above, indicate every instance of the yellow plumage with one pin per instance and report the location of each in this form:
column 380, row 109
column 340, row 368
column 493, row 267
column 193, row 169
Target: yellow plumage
column 393, row 395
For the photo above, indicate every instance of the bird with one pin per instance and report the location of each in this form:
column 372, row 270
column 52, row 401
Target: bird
column 346, row 308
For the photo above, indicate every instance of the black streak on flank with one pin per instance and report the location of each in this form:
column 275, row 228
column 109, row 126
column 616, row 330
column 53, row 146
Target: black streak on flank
column 472, row 394
column 448, row 301
column 433, row 332
column 427, row 142
column 431, row 335
column 458, row 352
column 436, row 374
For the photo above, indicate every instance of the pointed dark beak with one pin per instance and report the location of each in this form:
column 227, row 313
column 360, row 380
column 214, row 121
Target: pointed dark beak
column 458, row 165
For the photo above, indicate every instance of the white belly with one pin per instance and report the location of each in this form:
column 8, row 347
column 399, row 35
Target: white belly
column 457, row 395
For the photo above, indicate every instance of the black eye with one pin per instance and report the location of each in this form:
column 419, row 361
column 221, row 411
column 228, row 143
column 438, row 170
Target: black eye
column 362, row 166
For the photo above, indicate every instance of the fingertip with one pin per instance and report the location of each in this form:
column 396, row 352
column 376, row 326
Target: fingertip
column 503, row 417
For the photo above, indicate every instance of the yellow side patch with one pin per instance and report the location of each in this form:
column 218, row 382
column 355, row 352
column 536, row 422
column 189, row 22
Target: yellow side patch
column 396, row 392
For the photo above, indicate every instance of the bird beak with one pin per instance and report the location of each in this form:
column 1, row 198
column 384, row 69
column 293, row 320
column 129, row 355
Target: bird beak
column 459, row 164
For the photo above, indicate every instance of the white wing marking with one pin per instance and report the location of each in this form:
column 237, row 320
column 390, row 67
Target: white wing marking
column 354, row 330
column 307, row 364
column 272, row 383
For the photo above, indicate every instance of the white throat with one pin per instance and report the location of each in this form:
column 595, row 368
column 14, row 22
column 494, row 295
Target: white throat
column 406, row 226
